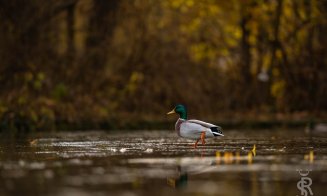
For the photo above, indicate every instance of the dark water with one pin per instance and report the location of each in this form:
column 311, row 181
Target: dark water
column 160, row 163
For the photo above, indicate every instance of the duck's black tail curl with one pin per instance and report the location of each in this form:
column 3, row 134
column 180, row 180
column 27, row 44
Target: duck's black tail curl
column 216, row 131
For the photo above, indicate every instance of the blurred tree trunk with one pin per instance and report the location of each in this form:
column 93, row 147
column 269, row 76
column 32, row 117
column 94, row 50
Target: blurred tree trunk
column 321, row 88
column 245, row 58
column 262, row 87
column 279, row 59
column 314, row 60
column 101, row 25
column 70, row 32
column 275, row 44
column 312, row 66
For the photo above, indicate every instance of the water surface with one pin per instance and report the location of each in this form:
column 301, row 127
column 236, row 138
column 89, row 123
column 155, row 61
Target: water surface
column 160, row 163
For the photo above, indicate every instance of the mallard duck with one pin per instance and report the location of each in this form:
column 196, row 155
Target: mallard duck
column 194, row 129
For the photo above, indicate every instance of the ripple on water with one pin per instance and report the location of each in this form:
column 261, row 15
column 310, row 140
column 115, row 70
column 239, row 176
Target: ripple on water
column 79, row 162
column 149, row 150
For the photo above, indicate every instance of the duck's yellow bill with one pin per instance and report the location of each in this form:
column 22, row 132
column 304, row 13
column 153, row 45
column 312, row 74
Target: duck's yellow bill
column 171, row 112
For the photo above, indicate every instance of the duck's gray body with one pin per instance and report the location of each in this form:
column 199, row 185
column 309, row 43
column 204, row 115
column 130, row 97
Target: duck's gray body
column 192, row 129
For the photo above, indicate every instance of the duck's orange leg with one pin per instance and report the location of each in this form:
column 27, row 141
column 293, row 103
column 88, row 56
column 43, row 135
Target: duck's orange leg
column 196, row 143
column 203, row 136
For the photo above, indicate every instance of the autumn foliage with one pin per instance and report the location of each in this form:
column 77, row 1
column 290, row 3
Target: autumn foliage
column 99, row 61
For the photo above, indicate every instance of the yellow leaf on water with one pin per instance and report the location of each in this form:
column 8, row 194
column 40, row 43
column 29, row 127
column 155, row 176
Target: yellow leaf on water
column 250, row 158
column 254, row 150
column 33, row 142
column 311, row 156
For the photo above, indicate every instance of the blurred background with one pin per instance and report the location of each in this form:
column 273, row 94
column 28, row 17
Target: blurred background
column 105, row 64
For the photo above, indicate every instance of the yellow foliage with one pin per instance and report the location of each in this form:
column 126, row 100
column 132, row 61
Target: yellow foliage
column 252, row 40
column 136, row 77
column 134, row 80
column 202, row 51
column 190, row 3
column 277, row 89
column 176, row 3
column 266, row 61
column 234, row 34
column 169, row 35
column 287, row 11
column 275, row 72
column 194, row 26
column 279, row 54
column 213, row 9
column 198, row 52
column 224, row 52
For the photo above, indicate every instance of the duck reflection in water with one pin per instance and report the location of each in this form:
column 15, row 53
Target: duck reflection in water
column 180, row 180
column 198, row 165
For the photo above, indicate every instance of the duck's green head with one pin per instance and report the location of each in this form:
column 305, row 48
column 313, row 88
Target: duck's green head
column 181, row 110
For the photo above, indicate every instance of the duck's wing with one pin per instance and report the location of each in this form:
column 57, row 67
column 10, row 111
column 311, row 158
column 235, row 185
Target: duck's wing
column 205, row 124
column 216, row 130
column 191, row 130
column 191, row 126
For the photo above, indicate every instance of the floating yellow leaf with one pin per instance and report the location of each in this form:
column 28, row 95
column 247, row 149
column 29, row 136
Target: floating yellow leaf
column 309, row 157
column 33, row 142
column 228, row 157
column 254, row 150
column 250, row 158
